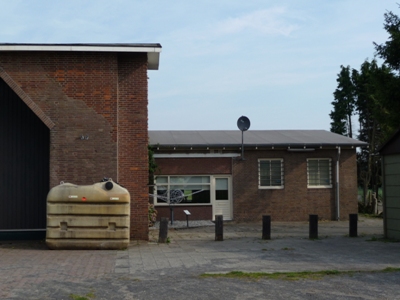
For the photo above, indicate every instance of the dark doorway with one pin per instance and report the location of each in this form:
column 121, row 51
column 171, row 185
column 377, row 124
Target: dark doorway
column 24, row 167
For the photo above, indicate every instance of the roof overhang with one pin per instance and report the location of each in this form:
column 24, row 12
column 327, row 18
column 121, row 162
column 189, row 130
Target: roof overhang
column 195, row 155
column 303, row 147
column 256, row 139
column 152, row 50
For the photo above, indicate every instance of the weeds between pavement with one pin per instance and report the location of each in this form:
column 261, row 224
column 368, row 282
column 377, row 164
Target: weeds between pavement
column 313, row 275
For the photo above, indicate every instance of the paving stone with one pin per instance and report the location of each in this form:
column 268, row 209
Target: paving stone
column 29, row 271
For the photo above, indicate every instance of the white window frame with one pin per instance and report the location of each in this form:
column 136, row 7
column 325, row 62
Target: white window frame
column 273, row 187
column 158, row 202
column 330, row 174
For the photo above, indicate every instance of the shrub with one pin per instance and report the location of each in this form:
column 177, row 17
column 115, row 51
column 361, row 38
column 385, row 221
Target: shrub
column 152, row 215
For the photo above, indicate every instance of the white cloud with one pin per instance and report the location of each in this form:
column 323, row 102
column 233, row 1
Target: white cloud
column 231, row 34
column 266, row 22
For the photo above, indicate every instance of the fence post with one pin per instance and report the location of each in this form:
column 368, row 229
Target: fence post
column 313, row 227
column 266, row 227
column 219, row 228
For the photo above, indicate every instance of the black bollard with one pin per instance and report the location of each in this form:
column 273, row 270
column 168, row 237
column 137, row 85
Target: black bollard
column 219, row 228
column 266, row 227
column 171, row 208
column 353, row 219
column 163, row 235
column 313, row 227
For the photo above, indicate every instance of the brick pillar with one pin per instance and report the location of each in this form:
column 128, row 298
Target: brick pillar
column 133, row 138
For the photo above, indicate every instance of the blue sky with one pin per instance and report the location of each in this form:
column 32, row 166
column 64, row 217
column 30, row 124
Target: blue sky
column 275, row 62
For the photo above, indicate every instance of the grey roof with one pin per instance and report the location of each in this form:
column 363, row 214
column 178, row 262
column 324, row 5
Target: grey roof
column 233, row 138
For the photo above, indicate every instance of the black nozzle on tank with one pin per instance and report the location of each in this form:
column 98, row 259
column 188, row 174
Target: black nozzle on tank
column 109, row 185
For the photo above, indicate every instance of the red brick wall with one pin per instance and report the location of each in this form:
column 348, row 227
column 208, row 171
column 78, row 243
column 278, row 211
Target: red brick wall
column 295, row 202
column 194, row 166
column 348, row 184
column 99, row 95
column 133, row 138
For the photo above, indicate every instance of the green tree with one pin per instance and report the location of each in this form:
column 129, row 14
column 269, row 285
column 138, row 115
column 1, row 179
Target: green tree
column 372, row 93
column 390, row 77
column 390, row 50
column 367, row 91
column 343, row 104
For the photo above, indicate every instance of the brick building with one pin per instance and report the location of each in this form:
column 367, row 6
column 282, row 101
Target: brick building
column 74, row 113
column 287, row 174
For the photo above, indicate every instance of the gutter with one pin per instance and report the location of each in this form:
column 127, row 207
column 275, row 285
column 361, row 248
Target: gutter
column 83, row 47
column 194, row 155
column 255, row 146
column 152, row 50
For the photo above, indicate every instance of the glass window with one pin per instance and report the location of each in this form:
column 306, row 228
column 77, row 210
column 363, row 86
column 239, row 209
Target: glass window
column 183, row 189
column 190, row 179
column 162, row 179
column 221, row 189
column 270, row 174
column 319, row 173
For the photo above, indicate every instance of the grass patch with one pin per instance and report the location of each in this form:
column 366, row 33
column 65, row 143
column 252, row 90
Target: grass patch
column 372, row 216
column 385, row 240
column 390, row 270
column 311, row 275
column 88, row 296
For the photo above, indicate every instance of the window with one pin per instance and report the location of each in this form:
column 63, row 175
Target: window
column 196, row 189
column 319, row 173
column 270, row 174
column 221, row 189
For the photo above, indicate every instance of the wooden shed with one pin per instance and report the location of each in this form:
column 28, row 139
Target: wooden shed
column 390, row 153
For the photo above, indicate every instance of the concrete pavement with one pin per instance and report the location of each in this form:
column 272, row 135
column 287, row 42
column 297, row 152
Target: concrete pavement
column 171, row 271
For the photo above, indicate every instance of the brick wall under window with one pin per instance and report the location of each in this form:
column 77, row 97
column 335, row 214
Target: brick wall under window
column 295, row 201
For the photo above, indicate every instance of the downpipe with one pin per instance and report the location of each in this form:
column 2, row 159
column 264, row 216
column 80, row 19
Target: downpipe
column 337, row 187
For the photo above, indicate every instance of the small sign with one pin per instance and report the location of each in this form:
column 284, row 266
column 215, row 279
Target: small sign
column 73, row 196
column 114, row 198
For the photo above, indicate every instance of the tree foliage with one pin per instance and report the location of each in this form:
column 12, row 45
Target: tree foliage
column 368, row 90
column 372, row 93
column 343, row 104
column 389, row 51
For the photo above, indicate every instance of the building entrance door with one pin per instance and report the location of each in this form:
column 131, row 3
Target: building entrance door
column 222, row 197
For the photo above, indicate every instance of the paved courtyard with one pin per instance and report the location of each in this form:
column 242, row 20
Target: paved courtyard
column 28, row 270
